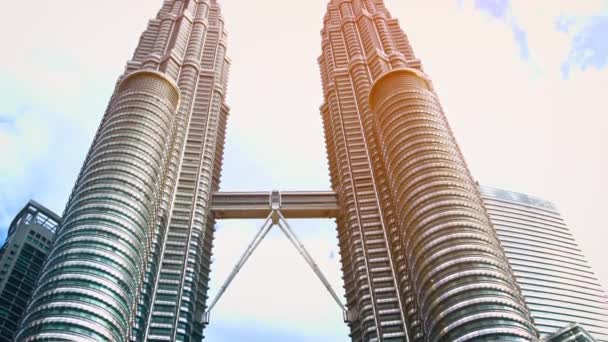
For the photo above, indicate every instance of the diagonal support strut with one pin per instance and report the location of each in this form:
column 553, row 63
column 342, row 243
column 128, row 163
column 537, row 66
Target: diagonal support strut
column 276, row 218
column 284, row 225
column 264, row 229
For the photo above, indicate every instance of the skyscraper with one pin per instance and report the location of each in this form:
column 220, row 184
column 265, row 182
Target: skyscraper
column 421, row 260
column 29, row 240
column 131, row 259
column 556, row 280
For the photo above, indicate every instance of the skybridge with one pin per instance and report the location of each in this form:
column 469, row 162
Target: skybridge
column 276, row 207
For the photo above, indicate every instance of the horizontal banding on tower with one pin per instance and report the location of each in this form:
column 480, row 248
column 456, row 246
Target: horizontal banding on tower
column 461, row 278
column 89, row 288
column 147, row 79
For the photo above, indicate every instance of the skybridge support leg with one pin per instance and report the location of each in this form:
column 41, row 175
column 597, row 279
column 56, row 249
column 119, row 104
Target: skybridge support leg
column 293, row 238
column 276, row 218
column 291, row 235
column 264, row 229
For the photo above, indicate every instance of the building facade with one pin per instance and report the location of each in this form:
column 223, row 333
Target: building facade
column 421, row 260
column 572, row 333
column 27, row 245
column 131, row 259
column 557, row 282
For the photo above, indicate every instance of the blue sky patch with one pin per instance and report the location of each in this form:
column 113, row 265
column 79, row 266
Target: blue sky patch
column 590, row 46
column 501, row 9
column 564, row 23
column 6, row 121
column 496, row 8
column 521, row 37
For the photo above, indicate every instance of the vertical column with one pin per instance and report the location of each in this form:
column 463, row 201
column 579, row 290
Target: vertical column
column 463, row 283
column 181, row 289
column 369, row 271
column 166, row 18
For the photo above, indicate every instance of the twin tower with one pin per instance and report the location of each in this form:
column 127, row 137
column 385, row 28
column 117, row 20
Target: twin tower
column 420, row 257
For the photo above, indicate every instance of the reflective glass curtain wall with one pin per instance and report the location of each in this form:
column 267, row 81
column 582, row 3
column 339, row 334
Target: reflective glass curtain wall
column 30, row 236
column 558, row 284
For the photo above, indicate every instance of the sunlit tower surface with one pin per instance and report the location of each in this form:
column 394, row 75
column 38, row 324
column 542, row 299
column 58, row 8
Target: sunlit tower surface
column 421, row 260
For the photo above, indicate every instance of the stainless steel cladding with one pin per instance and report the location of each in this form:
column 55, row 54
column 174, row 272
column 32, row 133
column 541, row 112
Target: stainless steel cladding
column 131, row 260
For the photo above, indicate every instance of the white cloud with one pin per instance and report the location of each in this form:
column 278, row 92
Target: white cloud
column 28, row 136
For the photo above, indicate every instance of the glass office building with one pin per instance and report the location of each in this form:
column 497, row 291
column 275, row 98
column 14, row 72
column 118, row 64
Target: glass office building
column 557, row 282
column 29, row 239
column 572, row 333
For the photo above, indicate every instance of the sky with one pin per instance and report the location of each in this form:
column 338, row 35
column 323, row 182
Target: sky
column 523, row 84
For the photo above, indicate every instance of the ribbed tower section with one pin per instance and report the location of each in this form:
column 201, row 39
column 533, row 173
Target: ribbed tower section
column 131, row 259
column 366, row 228
column 418, row 249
